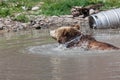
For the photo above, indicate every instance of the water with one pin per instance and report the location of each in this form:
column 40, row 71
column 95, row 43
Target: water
column 34, row 55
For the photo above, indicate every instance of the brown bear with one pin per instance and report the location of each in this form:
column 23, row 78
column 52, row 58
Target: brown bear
column 72, row 37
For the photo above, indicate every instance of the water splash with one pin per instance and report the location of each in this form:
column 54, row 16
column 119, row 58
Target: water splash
column 54, row 49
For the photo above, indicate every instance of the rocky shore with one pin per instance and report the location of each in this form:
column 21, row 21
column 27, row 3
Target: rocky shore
column 39, row 22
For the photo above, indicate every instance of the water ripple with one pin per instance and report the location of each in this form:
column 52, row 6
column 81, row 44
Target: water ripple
column 54, row 49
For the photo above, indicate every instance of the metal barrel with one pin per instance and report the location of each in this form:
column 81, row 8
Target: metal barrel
column 105, row 19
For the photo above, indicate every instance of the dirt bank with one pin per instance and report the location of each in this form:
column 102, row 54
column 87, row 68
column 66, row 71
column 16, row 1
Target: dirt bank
column 38, row 22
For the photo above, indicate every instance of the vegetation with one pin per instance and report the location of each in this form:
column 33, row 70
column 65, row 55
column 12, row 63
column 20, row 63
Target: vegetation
column 50, row 7
column 21, row 18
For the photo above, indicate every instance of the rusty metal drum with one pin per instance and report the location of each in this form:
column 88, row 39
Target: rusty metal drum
column 105, row 19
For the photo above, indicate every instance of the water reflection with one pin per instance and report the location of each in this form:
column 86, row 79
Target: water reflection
column 56, row 71
column 85, row 67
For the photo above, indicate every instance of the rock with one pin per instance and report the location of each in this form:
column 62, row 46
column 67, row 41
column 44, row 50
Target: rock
column 68, row 16
column 24, row 8
column 91, row 11
column 39, row 22
column 36, row 26
column 1, row 26
column 54, row 21
column 35, row 8
column 80, row 10
column 75, row 11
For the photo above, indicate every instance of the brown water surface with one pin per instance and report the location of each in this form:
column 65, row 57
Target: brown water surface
column 31, row 55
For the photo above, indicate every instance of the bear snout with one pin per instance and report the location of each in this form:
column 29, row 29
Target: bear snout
column 52, row 33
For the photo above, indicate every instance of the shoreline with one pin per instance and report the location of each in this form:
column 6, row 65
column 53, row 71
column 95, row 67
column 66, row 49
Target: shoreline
column 39, row 22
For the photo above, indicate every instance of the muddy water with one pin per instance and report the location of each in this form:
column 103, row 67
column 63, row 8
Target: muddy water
column 33, row 55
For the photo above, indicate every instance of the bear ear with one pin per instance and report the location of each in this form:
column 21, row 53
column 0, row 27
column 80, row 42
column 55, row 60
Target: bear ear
column 77, row 27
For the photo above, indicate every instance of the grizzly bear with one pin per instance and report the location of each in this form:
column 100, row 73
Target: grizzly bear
column 72, row 37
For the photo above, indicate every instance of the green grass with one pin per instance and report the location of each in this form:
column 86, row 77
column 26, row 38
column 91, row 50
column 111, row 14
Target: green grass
column 50, row 7
column 60, row 7
column 22, row 18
